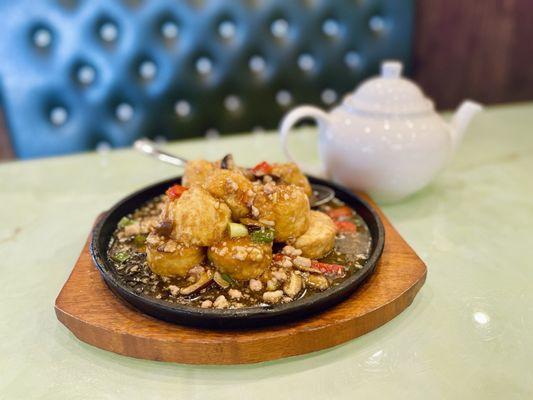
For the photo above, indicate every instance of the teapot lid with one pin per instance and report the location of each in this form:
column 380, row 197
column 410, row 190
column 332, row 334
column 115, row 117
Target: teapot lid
column 389, row 93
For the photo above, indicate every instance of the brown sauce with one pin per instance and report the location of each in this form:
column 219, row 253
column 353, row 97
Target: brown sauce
column 128, row 257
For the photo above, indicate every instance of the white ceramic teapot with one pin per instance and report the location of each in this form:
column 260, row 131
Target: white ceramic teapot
column 385, row 138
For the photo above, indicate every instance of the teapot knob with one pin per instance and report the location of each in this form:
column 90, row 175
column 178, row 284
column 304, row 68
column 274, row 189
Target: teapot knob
column 391, row 69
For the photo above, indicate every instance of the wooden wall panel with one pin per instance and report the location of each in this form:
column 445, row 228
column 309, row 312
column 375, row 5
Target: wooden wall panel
column 481, row 49
column 6, row 150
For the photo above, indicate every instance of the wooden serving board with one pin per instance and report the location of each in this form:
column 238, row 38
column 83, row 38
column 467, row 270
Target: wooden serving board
column 96, row 316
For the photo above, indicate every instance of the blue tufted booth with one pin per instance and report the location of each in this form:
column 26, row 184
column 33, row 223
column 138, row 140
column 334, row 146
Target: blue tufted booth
column 76, row 73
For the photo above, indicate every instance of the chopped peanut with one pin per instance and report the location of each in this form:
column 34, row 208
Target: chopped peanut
column 235, row 294
column 206, row 304
column 221, row 302
column 302, row 261
column 255, row 285
column 273, row 297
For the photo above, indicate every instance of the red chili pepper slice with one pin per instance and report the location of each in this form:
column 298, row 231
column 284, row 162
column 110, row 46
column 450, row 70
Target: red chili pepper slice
column 346, row 226
column 330, row 269
column 340, row 212
column 263, row 168
column 174, row 192
column 278, row 257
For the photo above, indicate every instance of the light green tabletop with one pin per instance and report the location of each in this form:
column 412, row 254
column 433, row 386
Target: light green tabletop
column 468, row 334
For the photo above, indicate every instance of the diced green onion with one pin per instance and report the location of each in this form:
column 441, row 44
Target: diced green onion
column 237, row 230
column 219, row 279
column 263, row 236
column 229, row 279
column 139, row 240
column 121, row 256
column 124, row 221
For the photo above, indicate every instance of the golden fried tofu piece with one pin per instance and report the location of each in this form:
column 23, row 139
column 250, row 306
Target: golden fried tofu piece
column 319, row 238
column 285, row 207
column 233, row 188
column 290, row 174
column 241, row 258
column 176, row 260
column 198, row 218
column 197, row 171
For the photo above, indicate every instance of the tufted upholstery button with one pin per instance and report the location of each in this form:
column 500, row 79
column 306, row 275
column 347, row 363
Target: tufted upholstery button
column 68, row 4
column 279, row 28
column 42, row 38
column 328, row 96
column 103, row 147
column 124, row 112
column 169, row 30
column 331, row 28
column 232, row 103
column 352, row 59
column 86, row 74
column 377, row 25
column 182, row 108
column 227, row 29
column 212, row 134
column 147, row 70
column 204, row 66
column 283, row 98
column 257, row 64
column 58, row 116
column 108, row 32
column 306, row 62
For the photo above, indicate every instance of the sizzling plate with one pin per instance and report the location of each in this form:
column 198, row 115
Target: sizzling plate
column 242, row 317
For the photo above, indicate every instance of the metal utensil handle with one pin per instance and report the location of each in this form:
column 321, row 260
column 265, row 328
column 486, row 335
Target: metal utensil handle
column 150, row 148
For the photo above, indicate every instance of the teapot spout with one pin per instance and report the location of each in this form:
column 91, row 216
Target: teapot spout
column 461, row 119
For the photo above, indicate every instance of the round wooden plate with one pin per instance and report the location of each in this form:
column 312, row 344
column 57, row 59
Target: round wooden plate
column 96, row 316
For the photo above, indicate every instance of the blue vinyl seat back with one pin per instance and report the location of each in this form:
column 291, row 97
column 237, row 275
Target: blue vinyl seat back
column 77, row 73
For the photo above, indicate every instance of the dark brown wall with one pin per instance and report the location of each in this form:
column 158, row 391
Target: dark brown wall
column 482, row 49
column 6, row 152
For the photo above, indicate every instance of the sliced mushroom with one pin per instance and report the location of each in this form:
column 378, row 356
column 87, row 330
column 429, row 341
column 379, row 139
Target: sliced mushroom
column 293, row 286
column 252, row 224
column 164, row 227
column 220, row 281
column 307, row 269
column 318, row 282
column 205, row 279
column 227, row 162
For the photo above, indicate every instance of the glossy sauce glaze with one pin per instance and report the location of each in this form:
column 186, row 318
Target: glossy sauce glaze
column 127, row 254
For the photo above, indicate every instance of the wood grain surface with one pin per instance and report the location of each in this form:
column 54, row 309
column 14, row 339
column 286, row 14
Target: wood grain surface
column 476, row 49
column 96, row 316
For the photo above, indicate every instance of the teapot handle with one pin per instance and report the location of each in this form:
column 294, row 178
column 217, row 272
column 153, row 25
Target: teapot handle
column 289, row 120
